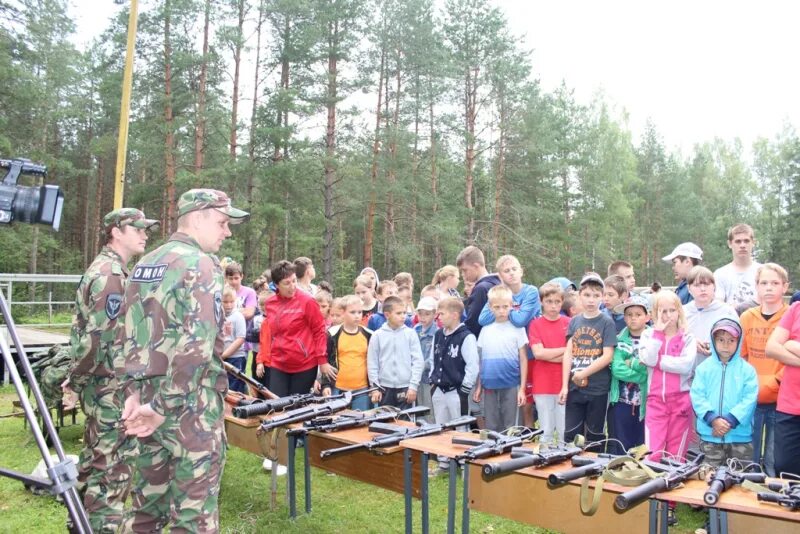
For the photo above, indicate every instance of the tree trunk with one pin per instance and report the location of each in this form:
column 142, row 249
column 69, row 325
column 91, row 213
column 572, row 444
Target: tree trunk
column 251, row 244
column 98, row 206
column 567, row 220
column 169, row 142
column 391, row 176
column 237, row 60
column 437, row 248
column 500, row 176
column 471, row 94
column 369, row 234
column 283, row 115
column 330, row 151
column 200, row 126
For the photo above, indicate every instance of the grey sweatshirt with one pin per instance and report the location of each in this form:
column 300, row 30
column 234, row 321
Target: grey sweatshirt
column 394, row 358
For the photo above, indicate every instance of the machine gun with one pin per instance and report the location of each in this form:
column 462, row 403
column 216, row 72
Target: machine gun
column 344, row 422
column 394, row 434
column 280, row 404
column 494, row 444
column 522, row 458
column 724, row 477
column 674, row 475
column 594, row 466
column 307, row 413
column 786, row 495
column 261, row 388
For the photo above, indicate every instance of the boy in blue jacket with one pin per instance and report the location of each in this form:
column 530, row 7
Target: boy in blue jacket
column 724, row 395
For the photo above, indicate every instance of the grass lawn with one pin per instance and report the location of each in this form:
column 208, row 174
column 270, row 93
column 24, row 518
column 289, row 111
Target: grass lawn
column 339, row 504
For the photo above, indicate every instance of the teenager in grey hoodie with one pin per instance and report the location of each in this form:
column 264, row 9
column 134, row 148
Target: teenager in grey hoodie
column 704, row 310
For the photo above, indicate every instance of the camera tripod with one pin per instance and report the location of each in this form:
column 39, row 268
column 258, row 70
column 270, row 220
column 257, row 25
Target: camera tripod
column 62, row 475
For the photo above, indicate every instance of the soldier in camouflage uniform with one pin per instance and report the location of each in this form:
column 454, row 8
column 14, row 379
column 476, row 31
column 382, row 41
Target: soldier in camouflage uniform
column 103, row 475
column 172, row 373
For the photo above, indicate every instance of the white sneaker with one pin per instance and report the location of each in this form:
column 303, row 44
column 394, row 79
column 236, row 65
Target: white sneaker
column 267, row 465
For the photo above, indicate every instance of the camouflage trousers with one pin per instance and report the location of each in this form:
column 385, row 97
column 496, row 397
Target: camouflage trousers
column 717, row 454
column 179, row 473
column 104, row 475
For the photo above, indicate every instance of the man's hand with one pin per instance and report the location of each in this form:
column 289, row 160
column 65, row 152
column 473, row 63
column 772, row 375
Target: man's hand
column 375, row 396
column 477, row 391
column 562, row 396
column 411, row 395
column 65, row 388
column 521, row 397
column 143, row 422
column 132, row 404
column 260, row 370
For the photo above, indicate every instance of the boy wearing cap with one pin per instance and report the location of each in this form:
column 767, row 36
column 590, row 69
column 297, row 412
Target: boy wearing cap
column 102, row 472
column 454, row 356
column 426, row 330
column 586, row 379
column 171, row 372
column 347, row 353
column 724, row 395
column 683, row 258
column 629, row 377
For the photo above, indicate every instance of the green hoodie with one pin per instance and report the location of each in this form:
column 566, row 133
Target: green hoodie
column 621, row 371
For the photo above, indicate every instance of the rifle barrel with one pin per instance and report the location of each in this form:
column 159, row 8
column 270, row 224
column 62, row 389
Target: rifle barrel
column 625, row 500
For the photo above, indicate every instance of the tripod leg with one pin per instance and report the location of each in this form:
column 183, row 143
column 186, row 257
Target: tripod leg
column 64, row 487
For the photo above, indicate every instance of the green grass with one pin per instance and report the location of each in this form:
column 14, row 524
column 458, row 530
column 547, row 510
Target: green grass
column 339, row 504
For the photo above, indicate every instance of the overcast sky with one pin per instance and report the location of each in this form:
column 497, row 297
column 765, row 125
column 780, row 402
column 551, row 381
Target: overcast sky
column 698, row 69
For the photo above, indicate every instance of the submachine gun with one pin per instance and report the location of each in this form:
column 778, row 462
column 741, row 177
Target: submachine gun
column 675, row 474
column 333, row 404
column 355, row 420
column 492, row 443
column 725, row 477
column 394, row 434
column 594, row 466
column 786, row 494
column 523, row 457
column 280, row 404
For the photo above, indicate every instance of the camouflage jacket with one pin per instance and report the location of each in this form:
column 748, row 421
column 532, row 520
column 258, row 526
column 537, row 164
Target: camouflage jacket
column 97, row 306
column 172, row 328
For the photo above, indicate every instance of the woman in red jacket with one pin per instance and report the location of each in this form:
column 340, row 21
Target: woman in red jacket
column 299, row 339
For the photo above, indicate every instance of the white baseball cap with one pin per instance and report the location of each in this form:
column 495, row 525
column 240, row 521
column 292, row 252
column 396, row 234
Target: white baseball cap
column 427, row 303
column 688, row 249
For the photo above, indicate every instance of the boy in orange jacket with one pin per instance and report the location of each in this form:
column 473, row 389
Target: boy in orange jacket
column 757, row 325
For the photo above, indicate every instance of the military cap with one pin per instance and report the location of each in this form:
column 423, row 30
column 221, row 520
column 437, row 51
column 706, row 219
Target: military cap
column 201, row 199
column 128, row 216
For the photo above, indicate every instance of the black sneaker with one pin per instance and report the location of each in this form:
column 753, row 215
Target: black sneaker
column 671, row 519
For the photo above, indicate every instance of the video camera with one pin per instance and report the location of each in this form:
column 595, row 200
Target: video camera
column 37, row 204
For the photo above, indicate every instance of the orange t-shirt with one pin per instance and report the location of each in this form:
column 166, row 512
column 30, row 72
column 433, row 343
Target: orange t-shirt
column 352, row 359
column 756, row 331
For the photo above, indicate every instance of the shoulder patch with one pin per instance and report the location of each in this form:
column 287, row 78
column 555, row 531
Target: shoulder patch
column 148, row 273
column 113, row 305
column 218, row 306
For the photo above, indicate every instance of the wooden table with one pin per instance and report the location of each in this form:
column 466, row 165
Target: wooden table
column 738, row 511
column 525, row 496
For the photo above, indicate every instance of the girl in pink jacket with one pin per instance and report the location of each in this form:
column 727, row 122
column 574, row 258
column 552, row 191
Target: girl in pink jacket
column 668, row 351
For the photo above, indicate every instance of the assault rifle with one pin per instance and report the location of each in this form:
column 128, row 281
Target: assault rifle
column 394, row 434
column 311, row 411
column 724, row 477
column 280, row 404
column 676, row 473
column 593, row 466
column 494, row 444
column 522, row 458
column 261, row 388
column 786, row 495
column 344, row 422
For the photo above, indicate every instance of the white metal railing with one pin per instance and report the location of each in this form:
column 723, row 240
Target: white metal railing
column 7, row 281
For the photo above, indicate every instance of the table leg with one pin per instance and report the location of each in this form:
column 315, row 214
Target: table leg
column 273, row 475
column 465, row 501
column 290, row 480
column 407, row 488
column 723, row 522
column 307, row 475
column 451, row 496
column 423, row 492
column 663, row 525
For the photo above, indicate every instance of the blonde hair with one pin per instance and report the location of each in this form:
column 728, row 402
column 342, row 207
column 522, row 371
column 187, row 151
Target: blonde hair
column 674, row 299
column 451, row 304
column 350, row 300
column 549, row 289
column 508, row 258
column 775, row 268
column 323, row 296
column 403, row 279
column 228, row 293
column 337, row 303
column 444, row 273
column 363, row 280
column 499, row 293
column 471, row 255
column 741, row 228
column 386, row 284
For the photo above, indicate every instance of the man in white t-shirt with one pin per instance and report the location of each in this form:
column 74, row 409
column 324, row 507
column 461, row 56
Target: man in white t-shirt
column 736, row 281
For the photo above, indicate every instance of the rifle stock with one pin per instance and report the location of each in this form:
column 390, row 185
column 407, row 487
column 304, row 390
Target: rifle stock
column 261, row 388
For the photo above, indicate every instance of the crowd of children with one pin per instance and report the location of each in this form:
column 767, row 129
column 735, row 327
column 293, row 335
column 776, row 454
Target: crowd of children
column 669, row 369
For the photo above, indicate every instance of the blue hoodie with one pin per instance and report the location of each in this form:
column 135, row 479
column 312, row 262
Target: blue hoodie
column 728, row 390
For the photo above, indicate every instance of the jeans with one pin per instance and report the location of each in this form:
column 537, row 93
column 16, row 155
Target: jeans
column 235, row 384
column 361, row 403
column 764, row 435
